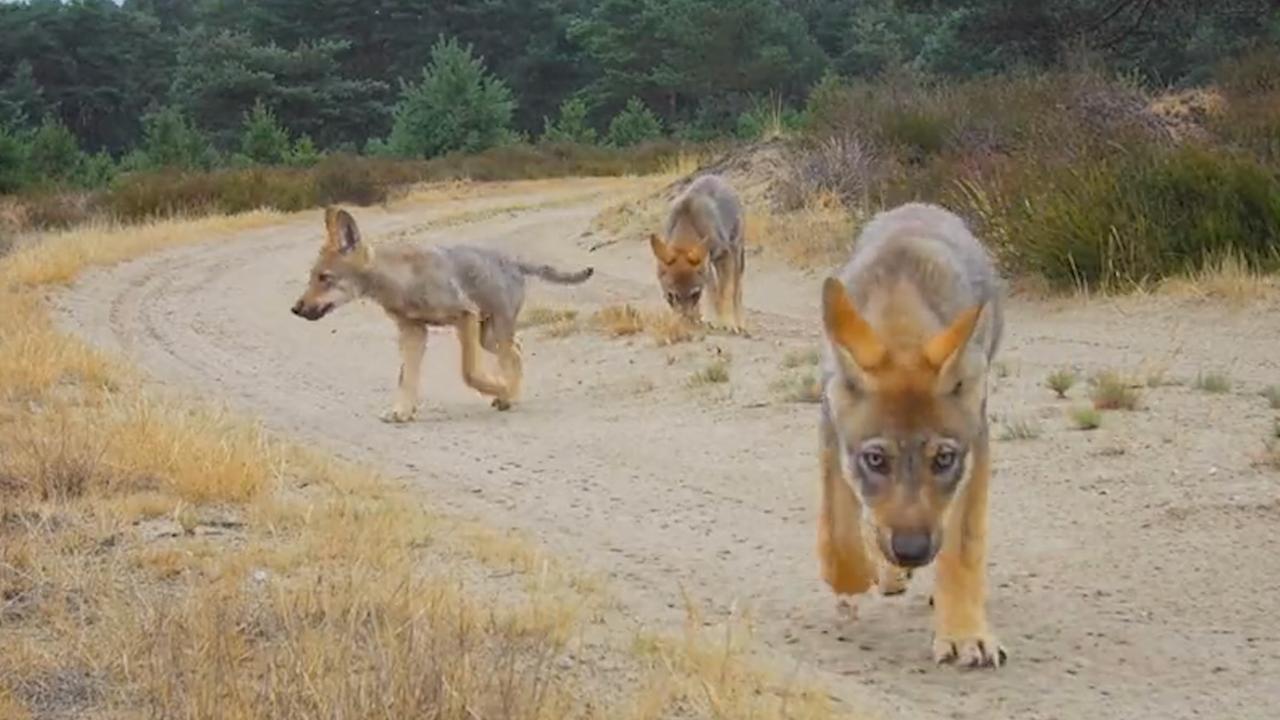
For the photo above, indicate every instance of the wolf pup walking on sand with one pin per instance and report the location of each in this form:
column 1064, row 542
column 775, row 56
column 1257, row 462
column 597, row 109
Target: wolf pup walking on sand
column 703, row 247
column 912, row 323
column 477, row 291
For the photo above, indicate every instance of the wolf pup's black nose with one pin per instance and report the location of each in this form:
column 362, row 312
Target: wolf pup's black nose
column 911, row 549
column 297, row 308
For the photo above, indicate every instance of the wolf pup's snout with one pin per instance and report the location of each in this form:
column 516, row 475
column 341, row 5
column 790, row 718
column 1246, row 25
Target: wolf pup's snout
column 297, row 308
column 911, row 548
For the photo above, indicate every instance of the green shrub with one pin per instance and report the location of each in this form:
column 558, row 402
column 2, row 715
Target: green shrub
column 767, row 119
column 13, row 161
column 570, row 126
column 53, row 154
column 634, row 125
column 170, row 141
column 1135, row 217
column 303, row 153
column 457, row 106
column 263, row 140
column 1250, row 85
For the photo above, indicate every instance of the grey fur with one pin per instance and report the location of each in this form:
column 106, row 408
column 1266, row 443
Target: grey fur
column 708, row 214
column 436, row 285
column 711, row 205
column 933, row 250
column 476, row 290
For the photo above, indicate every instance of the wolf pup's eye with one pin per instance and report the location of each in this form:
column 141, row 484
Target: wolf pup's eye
column 944, row 460
column 325, row 278
column 875, row 460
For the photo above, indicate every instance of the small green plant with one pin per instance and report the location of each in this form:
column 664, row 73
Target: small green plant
column 456, row 105
column 1086, row 417
column 1271, row 454
column 1272, row 394
column 1213, row 382
column 571, row 125
column 716, row 372
column 634, row 125
column 1110, row 391
column 1022, row 429
column 801, row 358
column 798, row 387
column 263, row 140
column 1060, row 381
column 538, row 315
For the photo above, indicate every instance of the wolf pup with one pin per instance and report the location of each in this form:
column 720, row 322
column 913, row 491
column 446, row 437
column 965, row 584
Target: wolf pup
column 912, row 323
column 477, row 291
column 703, row 248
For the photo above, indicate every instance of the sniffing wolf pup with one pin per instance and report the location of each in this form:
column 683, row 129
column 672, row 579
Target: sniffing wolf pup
column 703, row 247
column 912, row 323
column 479, row 292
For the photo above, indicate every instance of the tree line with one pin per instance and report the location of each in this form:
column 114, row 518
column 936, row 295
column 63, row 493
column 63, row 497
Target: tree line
column 90, row 85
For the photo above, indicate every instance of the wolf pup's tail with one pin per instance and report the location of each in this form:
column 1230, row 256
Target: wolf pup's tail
column 550, row 274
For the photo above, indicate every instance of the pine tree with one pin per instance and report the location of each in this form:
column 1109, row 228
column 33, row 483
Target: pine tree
column 458, row 105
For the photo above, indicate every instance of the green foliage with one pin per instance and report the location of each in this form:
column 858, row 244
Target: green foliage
column 97, row 170
column 21, row 99
column 634, row 125
column 345, row 178
column 457, row 105
column 767, row 119
column 263, row 140
column 13, row 161
column 169, row 141
column 691, row 57
column 304, row 152
column 94, row 65
column 1251, row 87
column 571, row 125
column 1133, row 217
column 53, row 155
column 220, row 75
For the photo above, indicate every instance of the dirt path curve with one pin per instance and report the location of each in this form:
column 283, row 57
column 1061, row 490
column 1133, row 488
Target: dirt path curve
column 1135, row 569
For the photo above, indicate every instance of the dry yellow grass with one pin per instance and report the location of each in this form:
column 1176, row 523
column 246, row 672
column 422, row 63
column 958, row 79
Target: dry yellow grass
column 164, row 560
column 1228, row 279
column 619, row 320
column 820, row 234
column 1110, row 390
column 665, row 327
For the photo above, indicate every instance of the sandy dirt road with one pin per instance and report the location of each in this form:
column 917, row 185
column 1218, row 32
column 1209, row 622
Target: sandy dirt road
column 1135, row 570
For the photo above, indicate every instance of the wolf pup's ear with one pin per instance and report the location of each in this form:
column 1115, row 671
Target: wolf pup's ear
column 661, row 249
column 696, row 254
column 344, row 235
column 948, row 344
column 846, row 327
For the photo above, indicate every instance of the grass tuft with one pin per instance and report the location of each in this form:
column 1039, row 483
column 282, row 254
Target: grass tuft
column 1060, row 381
column 801, row 358
column 619, row 320
column 1272, row 394
column 1085, row 417
column 716, row 372
column 801, row 386
column 1214, row 382
column 1021, row 429
column 1110, row 391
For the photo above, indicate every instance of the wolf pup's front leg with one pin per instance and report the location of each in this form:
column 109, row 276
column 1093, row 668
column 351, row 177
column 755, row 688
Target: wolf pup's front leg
column 845, row 563
column 961, row 634
column 413, row 343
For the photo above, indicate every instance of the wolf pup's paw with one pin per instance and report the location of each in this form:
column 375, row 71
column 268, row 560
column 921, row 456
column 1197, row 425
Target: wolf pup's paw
column 893, row 580
column 398, row 415
column 981, row 650
column 501, row 405
column 846, row 608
